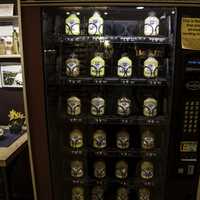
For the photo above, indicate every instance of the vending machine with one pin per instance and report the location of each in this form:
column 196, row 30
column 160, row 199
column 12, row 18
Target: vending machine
column 113, row 101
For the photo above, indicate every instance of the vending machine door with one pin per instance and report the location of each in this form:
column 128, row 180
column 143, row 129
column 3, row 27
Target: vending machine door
column 102, row 91
column 183, row 162
column 108, row 74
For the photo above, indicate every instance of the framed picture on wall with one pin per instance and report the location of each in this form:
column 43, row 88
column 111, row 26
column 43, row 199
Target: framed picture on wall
column 11, row 76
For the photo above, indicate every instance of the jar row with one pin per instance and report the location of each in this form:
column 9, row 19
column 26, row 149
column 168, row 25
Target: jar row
column 121, row 170
column 99, row 139
column 96, row 25
column 124, row 66
column 98, row 193
column 124, row 106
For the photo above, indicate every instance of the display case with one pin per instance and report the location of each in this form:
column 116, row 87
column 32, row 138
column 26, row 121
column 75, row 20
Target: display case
column 108, row 79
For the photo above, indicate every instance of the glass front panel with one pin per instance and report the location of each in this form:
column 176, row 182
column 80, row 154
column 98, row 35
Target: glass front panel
column 108, row 72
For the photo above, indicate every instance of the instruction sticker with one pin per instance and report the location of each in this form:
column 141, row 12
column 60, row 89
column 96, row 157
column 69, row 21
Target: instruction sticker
column 190, row 33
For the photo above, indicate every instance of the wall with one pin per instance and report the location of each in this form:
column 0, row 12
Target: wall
column 19, row 170
column 10, row 98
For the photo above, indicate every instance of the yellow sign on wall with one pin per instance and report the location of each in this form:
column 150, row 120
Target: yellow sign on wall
column 190, row 33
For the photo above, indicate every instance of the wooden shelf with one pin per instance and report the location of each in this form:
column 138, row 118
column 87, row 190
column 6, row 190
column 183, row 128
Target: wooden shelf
column 8, row 18
column 10, row 56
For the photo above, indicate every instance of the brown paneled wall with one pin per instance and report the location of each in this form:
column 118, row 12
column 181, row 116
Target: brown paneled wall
column 10, row 98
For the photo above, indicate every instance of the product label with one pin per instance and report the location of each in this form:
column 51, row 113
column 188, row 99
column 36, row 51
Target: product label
column 97, row 68
column 73, row 106
column 124, row 67
column 150, row 67
column 124, row 106
column 150, row 107
column 151, row 26
column 72, row 25
column 97, row 106
column 72, row 67
column 95, row 26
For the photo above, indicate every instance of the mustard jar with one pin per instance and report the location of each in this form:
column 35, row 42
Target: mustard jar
column 73, row 106
column 144, row 194
column 99, row 169
column 97, row 66
column 77, row 169
column 124, row 106
column 77, row 193
column 150, row 107
column 121, row 170
column 99, row 139
column 97, row 193
column 151, row 25
column 151, row 66
column 147, row 170
column 97, row 106
column 124, row 66
column 122, row 194
column 147, row 141
column 123, row 140
column 72, row 24
column 95, row 26
column 76, row 139
column 72, row 66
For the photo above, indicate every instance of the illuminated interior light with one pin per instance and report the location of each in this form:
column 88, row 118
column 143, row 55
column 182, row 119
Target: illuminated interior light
column 140, row 8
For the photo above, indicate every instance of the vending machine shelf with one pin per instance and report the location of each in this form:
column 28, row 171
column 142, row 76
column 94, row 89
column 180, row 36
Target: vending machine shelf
column 152, row 40
column 157, row 82
column 134, row 120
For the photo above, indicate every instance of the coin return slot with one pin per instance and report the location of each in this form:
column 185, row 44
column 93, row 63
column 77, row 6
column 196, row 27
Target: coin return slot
column 191, row 116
